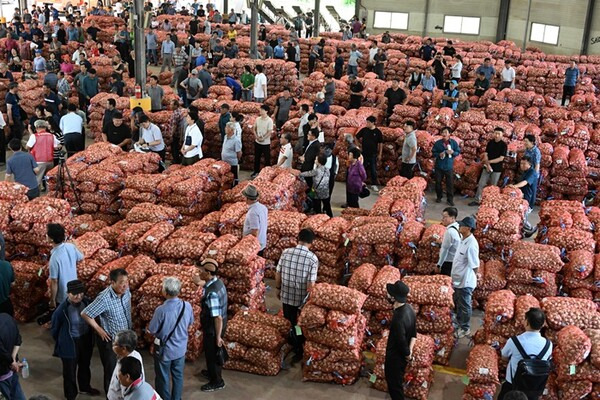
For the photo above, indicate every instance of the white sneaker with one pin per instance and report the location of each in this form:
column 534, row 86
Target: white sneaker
column 375, row 188
column 464, row 333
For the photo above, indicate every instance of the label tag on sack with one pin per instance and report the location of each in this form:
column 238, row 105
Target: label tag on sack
column 571, row 370
column 351, row 341
column 102, row 278
column 372, row 378
column 84, row 226
column 346, row 242
column 298, row 330
column 444, row 289
column 150, row 238
column 212, row 252
column 484, row 371
column 40, row 271
column 465, row 380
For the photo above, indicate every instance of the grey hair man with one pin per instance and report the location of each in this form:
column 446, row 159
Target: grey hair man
column 170, row 325
column 123, row 345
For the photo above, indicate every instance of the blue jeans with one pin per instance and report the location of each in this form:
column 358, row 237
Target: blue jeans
column 162, row 369
column 11, row 388
column 464, row 307
column 352, row 70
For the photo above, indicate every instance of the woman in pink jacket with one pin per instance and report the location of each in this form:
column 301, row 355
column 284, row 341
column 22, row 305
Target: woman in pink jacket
column 355, row 178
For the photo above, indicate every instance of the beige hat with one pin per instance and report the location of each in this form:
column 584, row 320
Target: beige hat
column 250, row 192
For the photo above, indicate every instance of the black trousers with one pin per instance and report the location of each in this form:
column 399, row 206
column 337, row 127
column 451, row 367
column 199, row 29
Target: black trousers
column 76, row 371
column 261, row 150
column 568, row 91
column 394, row 376
column 2, row 147
column 446, row 268
column 82, row 102
column 448, row 176
column 291, row 314
column 311, row 64
column 352, row 200
column 407, row 170
column 108, row 359
column 210, row 352
column 235, row 172
column 371, row 166
column 74, row 142
column 326, row 203
column 7, row 307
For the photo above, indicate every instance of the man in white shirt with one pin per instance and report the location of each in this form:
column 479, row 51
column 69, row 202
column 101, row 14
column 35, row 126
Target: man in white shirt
column 450, row 242
column 532, row 343
column 464, row 275
column 76, row 55
column 508, row 76
column 151, row 137
column 263, row 128
column 118, row 8
column 372, row 53
column 71, row 125
column 191, row 149
column 231, row 151
column 303, row 121
column 286, row 154
column 260, row 85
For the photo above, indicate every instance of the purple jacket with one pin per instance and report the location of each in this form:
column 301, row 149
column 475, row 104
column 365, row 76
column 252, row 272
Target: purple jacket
column 356, row 177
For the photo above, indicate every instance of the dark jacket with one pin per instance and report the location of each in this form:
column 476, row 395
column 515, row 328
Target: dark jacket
column 447, row 163
column 61, row 331
column 310, row 155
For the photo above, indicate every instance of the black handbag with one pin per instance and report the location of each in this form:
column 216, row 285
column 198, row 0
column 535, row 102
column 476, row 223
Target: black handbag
column 159, row 345
column 365, row 192
column 222, row 356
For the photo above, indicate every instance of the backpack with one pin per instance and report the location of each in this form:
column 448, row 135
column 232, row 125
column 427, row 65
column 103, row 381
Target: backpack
column 532, row 371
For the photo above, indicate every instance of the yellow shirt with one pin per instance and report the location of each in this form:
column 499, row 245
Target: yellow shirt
column 232, row 34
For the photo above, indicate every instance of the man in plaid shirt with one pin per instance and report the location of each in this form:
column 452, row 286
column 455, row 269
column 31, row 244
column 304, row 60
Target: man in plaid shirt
column 296, row 274
column 180, row 59
column 112, row 307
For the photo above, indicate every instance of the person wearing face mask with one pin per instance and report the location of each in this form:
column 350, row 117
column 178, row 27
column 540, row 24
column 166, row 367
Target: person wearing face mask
column 213, row 318
column 401, row 340
column 112, row 307
column 74, row 342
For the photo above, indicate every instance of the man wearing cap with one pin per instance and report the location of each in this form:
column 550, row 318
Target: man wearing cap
column 74, row 342
column 213, row 318
column 296, row 274
column 401, row 340
column 192, row 86
column 464, row 275
column 257, row 217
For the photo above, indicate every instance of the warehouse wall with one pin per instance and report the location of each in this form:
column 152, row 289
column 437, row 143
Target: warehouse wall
column 594, row 43
column 568, row 14
column 415, row 8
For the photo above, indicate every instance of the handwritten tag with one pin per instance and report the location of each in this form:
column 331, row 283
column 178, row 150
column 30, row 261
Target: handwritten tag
column 571, row 370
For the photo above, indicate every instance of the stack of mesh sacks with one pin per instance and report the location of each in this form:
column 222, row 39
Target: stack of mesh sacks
column 278, row 188
column 482, row 371
column 328, row 245
column 334, row 329
column 279, row 73
column 403, row 113
column 533, row 268
column 432, row 297
column 256, row 342
column 406, row 202
column 568, row 174
column 419, row 371
column 499, row 219
column 504, row 317
column 429, row 249
column 26, row 236
column 371, row 240
column 98, row 174
column 282, row 232
column 149, row 296
column 12, row 194
column 315, row 84
column 186, row 245
column 29, row 288
column 493, row 278
column 242, row 273
column 573, row 328
column 98, row 106
column 377, row 309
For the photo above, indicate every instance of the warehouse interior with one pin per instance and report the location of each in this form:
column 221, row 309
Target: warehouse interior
column 533, row 32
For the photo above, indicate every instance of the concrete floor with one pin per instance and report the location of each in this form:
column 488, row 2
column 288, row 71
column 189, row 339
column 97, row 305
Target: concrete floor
column 46, row 375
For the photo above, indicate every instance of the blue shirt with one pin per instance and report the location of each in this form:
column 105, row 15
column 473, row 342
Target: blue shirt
column 77, row 325
column 532, row 342
column 321, row 108
column 168, row 47
column 167, row 314
column 257, row 218
column 63, row 267
column 452, row 104
column 571, row 75
column 488, row 71
column 21, row 166
column 232, row 83
column 73, row 34
column 428, row 83
column 279, row 51
column 13, row 100
column 529, row 190
column 446, row 163
column 535, row 154
column 200, row 60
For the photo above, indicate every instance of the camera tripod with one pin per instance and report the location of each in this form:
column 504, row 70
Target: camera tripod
column 63, row 176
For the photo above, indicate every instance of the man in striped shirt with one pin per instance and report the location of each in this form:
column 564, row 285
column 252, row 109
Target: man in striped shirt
column 296, row 274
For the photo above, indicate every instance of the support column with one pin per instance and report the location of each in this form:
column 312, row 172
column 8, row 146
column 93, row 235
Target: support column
column 253, row 29
column 425, row 20
column 502, row 20
column 527, row 26
column 357, row 6
column 225, row 7
column 317, row 17
column 139, row 44
column 587, row 28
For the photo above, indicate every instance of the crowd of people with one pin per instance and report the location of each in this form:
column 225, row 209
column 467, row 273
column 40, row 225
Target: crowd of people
column 58, row 128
